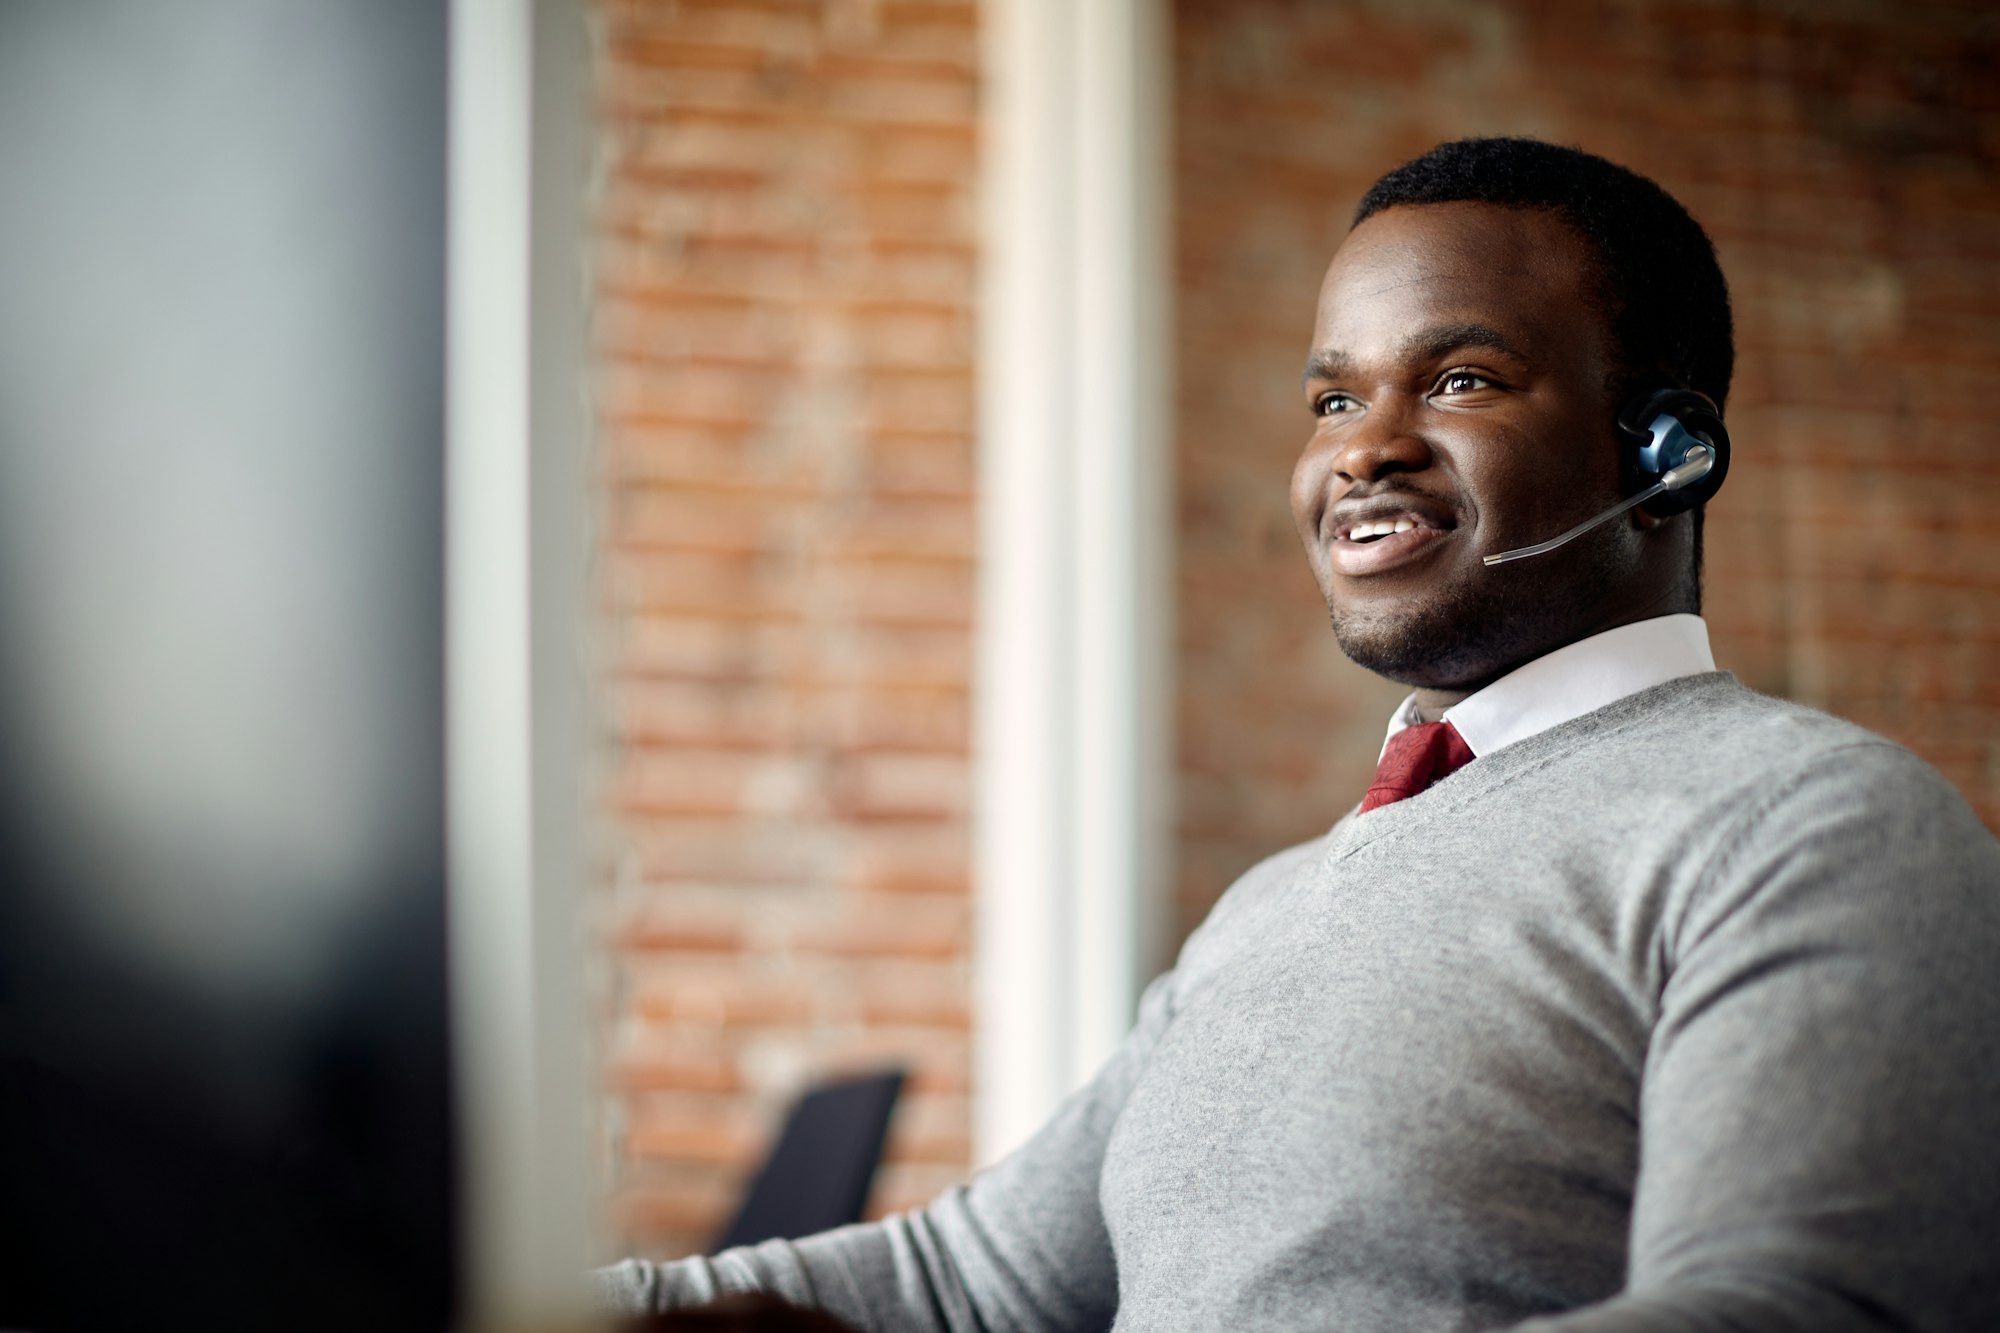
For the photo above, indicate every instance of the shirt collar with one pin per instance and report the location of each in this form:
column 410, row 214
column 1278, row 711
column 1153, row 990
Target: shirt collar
column 1575, row 679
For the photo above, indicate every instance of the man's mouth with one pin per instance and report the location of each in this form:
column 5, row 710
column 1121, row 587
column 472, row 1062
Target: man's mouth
column 1381, row 535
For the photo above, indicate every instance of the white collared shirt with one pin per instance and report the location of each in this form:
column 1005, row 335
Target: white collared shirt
column 1575, row 679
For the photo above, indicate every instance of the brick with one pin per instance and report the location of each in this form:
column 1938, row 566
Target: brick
column 900, row 1009
column 724, row 849
column 935, row 464
column 719, row 585
column 726, row 714
column 663, row 274
column 745, row 335
column 915, row 401
column 937, row 1061
column 678, row 781
column 719, row 141
column 661, row 1065
column 931, row 277
column 679, row 922
column 664, row 518
column 889, row 591
column 925, row 858
column 893, row 207
column 756, row 27
column 902, row 786
column 902, row 926
column 715, row 992
column 918, row 722
column 924, row 94
column 700, row 648
column 702, row 1143
column 681, row 393
column 914, row 338
column 906, row 528
column 667, row 53
column 895, row 993
column 910, row 657
column 954, row 15
column 764, row 459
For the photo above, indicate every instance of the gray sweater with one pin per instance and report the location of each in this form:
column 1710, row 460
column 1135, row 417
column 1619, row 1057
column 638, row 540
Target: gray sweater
column 1683, row 1015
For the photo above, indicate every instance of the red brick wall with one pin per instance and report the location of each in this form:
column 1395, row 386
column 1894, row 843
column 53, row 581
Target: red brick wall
column 1848, row 168
column 786, row 271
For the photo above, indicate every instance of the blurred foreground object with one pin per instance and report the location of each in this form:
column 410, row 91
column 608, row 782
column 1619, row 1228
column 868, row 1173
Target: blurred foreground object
column 224, row 1084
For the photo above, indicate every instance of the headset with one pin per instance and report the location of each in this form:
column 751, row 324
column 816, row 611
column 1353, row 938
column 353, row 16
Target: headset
column 1677, row 447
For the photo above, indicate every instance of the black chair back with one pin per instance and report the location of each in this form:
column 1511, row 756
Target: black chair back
column 818, row 1174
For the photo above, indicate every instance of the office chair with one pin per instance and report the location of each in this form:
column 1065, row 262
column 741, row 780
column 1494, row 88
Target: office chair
column 818, row 1174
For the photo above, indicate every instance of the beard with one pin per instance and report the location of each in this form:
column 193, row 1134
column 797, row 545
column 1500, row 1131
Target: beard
column 1473, row 630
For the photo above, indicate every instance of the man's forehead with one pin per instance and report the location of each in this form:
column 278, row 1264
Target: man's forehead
column 1370, row 274
column 1408, row 272
column 1463, row 231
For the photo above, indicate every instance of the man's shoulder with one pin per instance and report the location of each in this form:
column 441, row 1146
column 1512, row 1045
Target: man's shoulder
column 1702, row 760
column 1714, row 722
column 1775, row 767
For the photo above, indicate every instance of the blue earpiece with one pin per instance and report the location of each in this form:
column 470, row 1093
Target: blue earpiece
column 1663, row 426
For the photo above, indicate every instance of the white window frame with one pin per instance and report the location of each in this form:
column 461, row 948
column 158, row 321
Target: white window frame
column 517, row 439
column 1073, row 717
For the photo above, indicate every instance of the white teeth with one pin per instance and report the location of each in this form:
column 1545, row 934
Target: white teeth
column 1379, row 528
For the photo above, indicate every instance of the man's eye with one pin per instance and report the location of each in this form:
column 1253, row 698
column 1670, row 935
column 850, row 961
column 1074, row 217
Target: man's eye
column 1462, row 381
column 1327, row 404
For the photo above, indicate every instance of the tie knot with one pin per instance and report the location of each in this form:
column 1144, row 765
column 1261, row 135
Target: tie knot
column 1415, row 758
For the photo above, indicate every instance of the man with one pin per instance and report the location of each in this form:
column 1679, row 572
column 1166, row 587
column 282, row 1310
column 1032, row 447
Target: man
column 1672, row 1008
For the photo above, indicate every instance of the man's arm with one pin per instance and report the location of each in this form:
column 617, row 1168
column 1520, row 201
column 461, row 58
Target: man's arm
column 1022, row 1247
column 1818, row 1147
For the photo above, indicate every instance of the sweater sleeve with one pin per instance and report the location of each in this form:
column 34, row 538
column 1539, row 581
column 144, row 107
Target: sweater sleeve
column 1817, row 1144
column 1021, row 1247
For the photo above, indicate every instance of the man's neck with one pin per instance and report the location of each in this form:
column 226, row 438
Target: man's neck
column 1432, row 703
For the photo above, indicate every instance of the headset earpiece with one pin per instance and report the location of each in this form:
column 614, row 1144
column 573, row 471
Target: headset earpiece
column 1661, row 427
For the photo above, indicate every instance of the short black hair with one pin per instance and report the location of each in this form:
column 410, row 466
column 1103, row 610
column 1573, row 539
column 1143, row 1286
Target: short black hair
column 1663, row 292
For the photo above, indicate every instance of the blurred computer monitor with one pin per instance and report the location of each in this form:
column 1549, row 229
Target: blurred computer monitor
column 225, row 1092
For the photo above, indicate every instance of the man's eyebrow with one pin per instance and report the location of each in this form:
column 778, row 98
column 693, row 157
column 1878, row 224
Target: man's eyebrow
column 1325, row 365
column 1428, row 345
column 1435, row 342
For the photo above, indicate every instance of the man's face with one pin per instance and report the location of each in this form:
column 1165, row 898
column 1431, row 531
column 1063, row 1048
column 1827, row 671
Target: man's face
column 1461, row 384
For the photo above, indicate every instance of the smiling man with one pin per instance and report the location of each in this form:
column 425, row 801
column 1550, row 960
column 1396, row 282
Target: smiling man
column 1626, row 999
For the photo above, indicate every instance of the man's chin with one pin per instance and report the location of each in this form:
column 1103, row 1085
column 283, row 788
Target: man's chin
column 1401, row 660
column 1436, row 645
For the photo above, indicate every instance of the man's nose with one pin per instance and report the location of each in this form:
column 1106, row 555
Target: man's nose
column 1385, row 440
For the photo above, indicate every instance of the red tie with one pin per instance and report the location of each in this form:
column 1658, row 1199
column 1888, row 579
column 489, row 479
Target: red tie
column 1415, row 758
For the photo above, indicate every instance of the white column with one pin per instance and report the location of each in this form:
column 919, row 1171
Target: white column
column 515, row 479
column 1073, row 719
